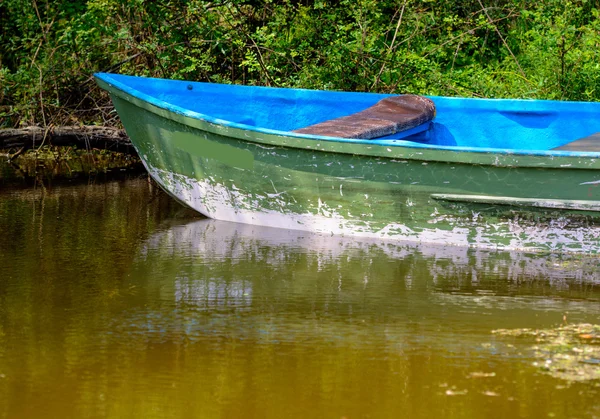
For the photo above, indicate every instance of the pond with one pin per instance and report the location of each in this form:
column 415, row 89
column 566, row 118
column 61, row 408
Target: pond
column 117, row 302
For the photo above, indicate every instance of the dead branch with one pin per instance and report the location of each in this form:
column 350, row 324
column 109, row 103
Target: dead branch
column 83, row 137
column 485, row 10
column 391, row 47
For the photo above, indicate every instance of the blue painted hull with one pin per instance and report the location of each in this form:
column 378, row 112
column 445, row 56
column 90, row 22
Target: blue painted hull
column 462, row 124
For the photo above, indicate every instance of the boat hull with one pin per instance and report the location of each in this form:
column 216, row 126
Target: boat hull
column 509, row 202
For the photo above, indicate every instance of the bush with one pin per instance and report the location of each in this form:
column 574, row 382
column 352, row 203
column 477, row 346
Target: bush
column 485, row 48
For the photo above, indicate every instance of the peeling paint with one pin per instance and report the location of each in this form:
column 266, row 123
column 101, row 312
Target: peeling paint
column 342, row 192
column 217, row 201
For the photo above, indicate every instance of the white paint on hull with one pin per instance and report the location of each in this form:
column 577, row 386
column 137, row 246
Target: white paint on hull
column 216, row 201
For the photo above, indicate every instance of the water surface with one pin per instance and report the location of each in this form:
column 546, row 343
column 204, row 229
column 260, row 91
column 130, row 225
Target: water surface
column 116, row 302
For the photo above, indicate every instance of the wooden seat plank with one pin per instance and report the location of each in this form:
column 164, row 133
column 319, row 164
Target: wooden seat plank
column 388, row 116
column 589, row 143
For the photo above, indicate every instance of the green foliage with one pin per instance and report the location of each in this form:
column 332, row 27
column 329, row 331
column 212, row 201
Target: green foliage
column 485, row 48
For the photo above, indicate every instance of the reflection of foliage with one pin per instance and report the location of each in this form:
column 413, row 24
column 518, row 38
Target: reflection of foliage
column 34, row 233
column 68, row 162
column 48, row 50
column 570, row 352
column 64, row 254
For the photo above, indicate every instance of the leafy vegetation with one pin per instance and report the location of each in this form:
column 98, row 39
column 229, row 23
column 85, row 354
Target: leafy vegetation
column 49, row 49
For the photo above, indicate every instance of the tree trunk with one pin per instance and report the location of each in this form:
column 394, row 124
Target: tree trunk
column 84, row 137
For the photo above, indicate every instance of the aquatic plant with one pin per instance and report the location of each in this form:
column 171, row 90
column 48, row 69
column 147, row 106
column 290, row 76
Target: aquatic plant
column 570, row 352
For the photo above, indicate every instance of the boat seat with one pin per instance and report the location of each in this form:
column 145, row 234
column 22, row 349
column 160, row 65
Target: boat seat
column 388, row 116
column 589, row 143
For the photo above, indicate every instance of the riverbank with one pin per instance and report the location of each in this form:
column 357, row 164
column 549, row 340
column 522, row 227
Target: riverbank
column 63, row 162
column 81, row 136
column 65, row 152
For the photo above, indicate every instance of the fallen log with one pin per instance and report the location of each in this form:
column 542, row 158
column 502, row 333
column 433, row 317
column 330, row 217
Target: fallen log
column 83, row 137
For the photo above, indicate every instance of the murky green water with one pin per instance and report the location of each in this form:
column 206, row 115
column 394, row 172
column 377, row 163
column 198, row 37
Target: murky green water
column 116, row 303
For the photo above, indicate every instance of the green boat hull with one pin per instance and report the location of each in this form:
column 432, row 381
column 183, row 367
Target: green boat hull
column 486, row 200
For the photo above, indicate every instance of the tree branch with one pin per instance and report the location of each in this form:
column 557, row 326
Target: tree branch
column 83, row 137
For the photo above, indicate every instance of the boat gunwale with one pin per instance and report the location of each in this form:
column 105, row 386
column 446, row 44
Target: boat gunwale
column 373, row 148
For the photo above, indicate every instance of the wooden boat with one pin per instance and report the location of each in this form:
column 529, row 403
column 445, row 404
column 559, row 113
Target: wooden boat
column 512, row 174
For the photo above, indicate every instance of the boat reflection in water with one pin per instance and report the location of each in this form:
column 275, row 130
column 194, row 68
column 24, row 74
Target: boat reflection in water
column 212, row 240
column 288, row 282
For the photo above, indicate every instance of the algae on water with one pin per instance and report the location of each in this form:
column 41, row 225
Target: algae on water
column 570, row 352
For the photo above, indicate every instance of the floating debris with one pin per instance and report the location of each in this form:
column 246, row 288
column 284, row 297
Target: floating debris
column 451, row 392
column 479, row 374
column 490, row 393
column 570, row 352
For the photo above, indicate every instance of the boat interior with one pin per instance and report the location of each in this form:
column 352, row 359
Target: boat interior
column 507, row 124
